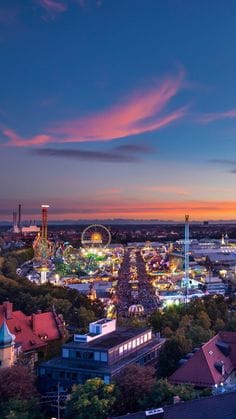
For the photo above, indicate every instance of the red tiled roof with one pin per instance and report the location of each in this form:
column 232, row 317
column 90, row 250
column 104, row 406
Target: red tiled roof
column 31, row 332
column 200, row 369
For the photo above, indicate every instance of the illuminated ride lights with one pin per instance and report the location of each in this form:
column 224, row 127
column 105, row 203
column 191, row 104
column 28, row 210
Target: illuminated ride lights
column 96, row 236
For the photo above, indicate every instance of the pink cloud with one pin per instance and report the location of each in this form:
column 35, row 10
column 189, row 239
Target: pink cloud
column 52, row 7
column 111, row 191
column 17, row 141
column 140, row 113
column 211, row 117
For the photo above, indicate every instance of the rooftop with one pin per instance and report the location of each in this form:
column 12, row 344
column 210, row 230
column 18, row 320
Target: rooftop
column 217, row 407
column 31, row 332
column 211, row 364
column 76, row 364
column 106, row 342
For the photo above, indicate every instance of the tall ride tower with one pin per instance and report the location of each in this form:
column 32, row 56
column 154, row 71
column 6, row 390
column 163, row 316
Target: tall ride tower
column 42, row 246
column 186, row 254
column 44, row 233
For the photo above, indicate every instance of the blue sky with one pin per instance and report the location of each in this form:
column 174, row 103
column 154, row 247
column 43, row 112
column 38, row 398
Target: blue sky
column 118, row 108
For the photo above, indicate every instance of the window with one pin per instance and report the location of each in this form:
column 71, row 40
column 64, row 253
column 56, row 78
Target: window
column 125, row 347
column 103, row 356
column 129, row 345
column 17, row 329
column 149, row 335
column 138, row 341
column 42, row 370
column 97, row 356
column 88, row 355
column 121, row 350
column 141, row 340
column 65, row 353
column 134, row 343
column 78, row 355
column 145, row 337
column 106, row 379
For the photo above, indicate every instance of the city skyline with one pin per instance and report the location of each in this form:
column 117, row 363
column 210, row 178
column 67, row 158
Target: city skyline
column 118, row 109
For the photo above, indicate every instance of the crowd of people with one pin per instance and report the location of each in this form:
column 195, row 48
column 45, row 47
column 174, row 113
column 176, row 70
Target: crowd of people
column 134, row 287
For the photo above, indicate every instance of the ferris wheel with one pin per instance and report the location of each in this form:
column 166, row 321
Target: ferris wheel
column 96, row 235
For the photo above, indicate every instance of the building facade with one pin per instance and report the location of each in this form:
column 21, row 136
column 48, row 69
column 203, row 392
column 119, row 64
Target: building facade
column 31, row 333
column 102, row 353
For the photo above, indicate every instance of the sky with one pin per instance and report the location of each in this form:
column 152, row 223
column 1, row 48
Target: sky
column 118, row 109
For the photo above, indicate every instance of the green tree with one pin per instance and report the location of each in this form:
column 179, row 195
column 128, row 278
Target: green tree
column 198, row 335
column 163, row 392
column 85, row 317
column 167, row 332
column 195, row 306
column 219, row 325
column 92, row 400
column 231, row 326
column 185, row 324
column 132, row 383
column 203, row 320
column 157, row 320
column 171, row 352
column 21, row 409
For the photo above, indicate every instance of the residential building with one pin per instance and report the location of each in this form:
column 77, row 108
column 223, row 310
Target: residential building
column 211, row 365
column 32, row 333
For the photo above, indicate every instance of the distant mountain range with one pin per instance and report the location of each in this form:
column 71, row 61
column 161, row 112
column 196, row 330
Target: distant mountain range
column 118, row 221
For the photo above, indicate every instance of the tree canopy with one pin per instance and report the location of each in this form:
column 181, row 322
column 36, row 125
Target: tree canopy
column 133, row 383
column 17, row 382
column 92, row 400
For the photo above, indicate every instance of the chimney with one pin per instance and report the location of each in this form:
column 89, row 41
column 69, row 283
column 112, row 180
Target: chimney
column 33, row 319
column 176, row 399
column 7, row 309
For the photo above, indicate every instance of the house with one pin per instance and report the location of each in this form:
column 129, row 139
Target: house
column 216, row 407
column 211, row 365
column 103, row 352
column 31, row 333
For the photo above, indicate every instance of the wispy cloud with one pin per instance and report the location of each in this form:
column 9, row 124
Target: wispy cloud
column 166, row 189
column 143, row 111
column 17, row 141
column 212, row 117
column 225, row 162
column 56, row 7
column 52, row 7
column 109, row 192
column 116, row 155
